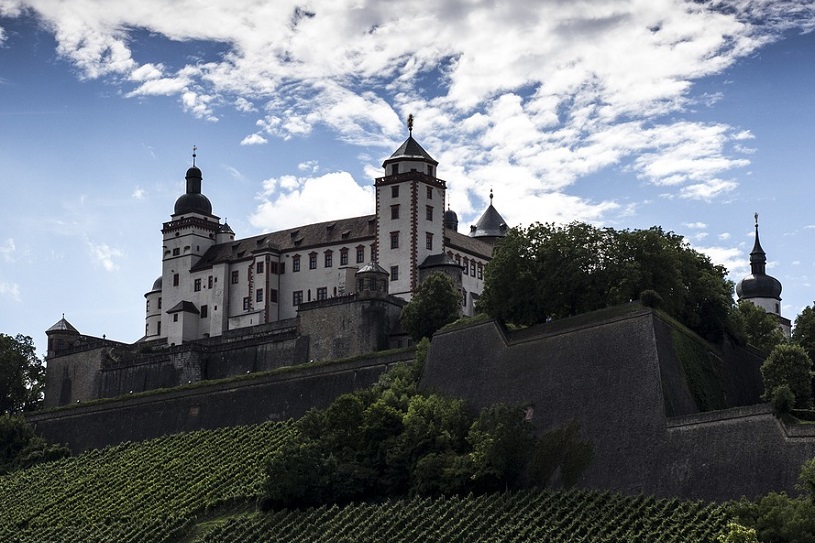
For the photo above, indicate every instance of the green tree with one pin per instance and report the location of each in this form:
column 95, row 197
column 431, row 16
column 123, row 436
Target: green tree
column 788, row 365
column 548, row 271
column 22, row 374
column 803, row 333
column 760, row 328
column 20, row 448
column 435, row 304
column 502, row 441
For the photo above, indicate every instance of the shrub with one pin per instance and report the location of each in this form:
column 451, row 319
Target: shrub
column 788, row 365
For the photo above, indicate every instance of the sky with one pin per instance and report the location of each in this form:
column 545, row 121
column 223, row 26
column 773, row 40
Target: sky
column 627, row 114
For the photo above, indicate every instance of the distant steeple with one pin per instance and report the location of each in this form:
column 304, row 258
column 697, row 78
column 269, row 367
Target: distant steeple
column 410, row 125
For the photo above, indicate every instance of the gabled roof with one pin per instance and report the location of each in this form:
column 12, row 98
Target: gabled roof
column 473, row 246
column 351, row 231
column 62, row 325
column 183, row 306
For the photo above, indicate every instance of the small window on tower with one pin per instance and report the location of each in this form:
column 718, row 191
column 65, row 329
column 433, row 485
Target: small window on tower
column 429, row 213
column 429, row 241
column 259, row 295
column 429, row 193
column 394, row 273
column 395, row 188
column 394, row 240
column 175, row 280
column 204, row 311
column 260, row 267
column 176, row 251
column 197, row 285
column 395, row 212
column 235, row 277
column 394, row 171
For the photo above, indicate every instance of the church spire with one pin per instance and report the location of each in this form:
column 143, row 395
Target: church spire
column 758, row 258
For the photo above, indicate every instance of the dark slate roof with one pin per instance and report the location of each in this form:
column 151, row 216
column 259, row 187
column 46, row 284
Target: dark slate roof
column 372, row 267
column 491, row 224
column 473, row 246
column 410, row 149
column 434, row 261
column 157, row 284
column 311, row 236
column 183, row 306
column 62, row 325
column 758, row 284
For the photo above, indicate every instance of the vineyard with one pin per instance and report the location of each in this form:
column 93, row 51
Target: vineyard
column 201, row 487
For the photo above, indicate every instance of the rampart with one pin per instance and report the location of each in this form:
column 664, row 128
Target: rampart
column 250, row 399
column 639, row 391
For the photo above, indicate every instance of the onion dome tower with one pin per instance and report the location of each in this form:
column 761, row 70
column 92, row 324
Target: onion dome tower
column 491, row 226
column 759, row 288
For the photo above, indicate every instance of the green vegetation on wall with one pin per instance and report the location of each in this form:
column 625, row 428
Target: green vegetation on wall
column 699, row 371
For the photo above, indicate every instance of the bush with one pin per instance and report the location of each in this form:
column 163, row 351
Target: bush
column 783, row 400
column 650, row 298
column 788, row 365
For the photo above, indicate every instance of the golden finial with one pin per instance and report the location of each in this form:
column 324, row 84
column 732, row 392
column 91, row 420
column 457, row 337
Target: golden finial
column 194, row 149
column 410, row 124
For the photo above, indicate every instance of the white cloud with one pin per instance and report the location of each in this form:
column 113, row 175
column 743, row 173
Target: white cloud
column 707, row 190
column 138, row 194
column 10, row 290
column 724, row 236
column 103, row 254
column 290, row 200
column 254, row 139
column 8, row 249
column 729, row 257
column 695, row 225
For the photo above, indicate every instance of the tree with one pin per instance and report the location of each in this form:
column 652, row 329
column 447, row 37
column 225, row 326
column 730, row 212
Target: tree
column 761, row 328
column 22, row 374
column 788, row 365
column 435, row 304
column 803, row 333
column 21, row 448
column 548, row 271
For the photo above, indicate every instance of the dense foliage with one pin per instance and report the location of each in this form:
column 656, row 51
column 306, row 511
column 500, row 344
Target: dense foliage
column 137, row 492
column 549, row 272
column 436, row 303
column 803, row 333
column 22, row 374
column 788, row 365
column 760, row 328
column 20, row 448
column 390, row 440
column 779, row 518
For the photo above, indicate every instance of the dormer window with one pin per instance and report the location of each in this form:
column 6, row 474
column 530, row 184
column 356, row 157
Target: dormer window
column 394, row 169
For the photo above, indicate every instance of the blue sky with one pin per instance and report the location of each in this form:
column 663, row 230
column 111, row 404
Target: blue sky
column 687, row 115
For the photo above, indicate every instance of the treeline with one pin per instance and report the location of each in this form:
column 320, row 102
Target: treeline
column 392, row 440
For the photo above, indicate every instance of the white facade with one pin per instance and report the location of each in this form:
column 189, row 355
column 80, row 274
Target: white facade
column 212, row 283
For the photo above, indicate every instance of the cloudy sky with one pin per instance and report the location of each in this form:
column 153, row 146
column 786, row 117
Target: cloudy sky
column 688, row 115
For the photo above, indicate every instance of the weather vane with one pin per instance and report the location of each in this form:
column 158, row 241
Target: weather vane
column 194, row 149
column 756, row 217
column 410, row 124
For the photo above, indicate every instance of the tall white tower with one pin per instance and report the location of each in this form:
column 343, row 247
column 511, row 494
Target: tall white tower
column 409, row 214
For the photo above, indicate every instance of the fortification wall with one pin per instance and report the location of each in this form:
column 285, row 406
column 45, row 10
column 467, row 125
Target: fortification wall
column 617, row 376
column 249, row 400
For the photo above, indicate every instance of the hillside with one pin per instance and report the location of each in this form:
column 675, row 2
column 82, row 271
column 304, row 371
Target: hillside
column 201, row 487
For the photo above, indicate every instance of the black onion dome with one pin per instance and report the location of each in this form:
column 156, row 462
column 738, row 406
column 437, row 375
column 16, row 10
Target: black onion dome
column 450, row 219
column 758, row 284
column 193, row 201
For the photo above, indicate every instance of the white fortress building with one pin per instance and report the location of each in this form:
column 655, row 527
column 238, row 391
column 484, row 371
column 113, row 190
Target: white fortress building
column 212, row 282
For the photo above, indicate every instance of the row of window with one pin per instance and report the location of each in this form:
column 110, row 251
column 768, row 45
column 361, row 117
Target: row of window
column 428, row 212
column 328, row 259
column 322, row 294
column 471, row 266
column 159, row 304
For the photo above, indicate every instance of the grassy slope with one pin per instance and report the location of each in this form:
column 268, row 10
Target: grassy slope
column 201, row 487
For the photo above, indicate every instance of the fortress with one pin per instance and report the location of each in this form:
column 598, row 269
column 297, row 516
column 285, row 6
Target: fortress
column 240, row 331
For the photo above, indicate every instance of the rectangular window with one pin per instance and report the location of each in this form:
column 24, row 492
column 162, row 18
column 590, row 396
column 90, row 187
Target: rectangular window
column 246, row 303
column 312, row 261
column 273, row 268
column 273, row 295
column 295, row 263
column 175, row 317
column 204, row 311
column 395, row 212
column 429, row 193
column 159, row 303
column 428, row 213
column 429, row 241
column 394, row 273
column 175, row 280
column 176, row 251
column 148, row 305
column 196, row 286
column 360, row 254
column 297, row 297
column 394, row 188
column 282, row 268
column 472, row 268
column 466, row 266
column 260, row 267
column 322, row 293
column 235, row 277
column 329, row 259
column 259, row 295
column 209, row 282
column 394, row 169
column 394, row 240
column 343, row 257
column 480, row 271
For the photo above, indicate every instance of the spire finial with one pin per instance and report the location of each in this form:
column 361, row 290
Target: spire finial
column 756, row 218
column 410, row 124
column 194, row 149
column 490, row 195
